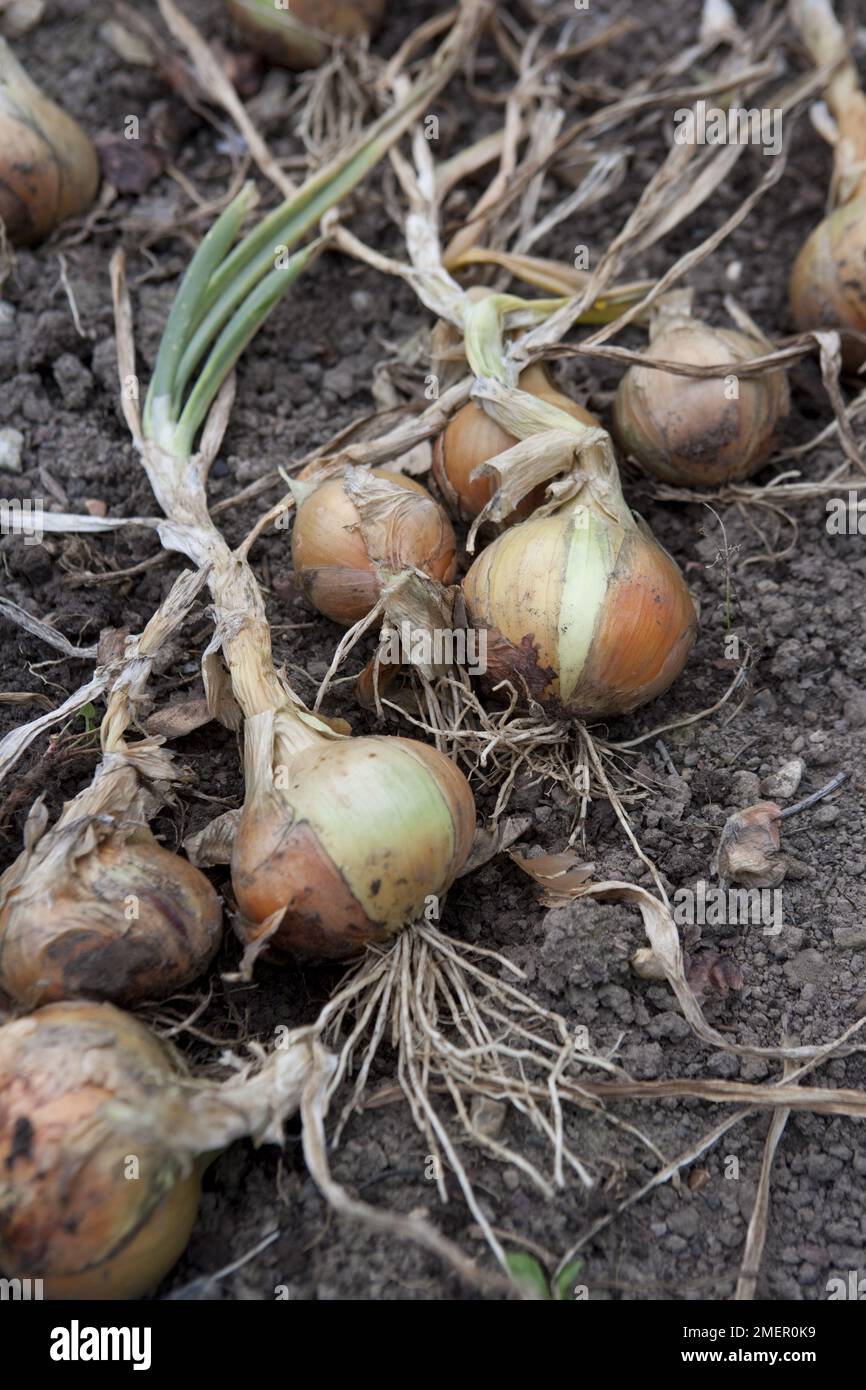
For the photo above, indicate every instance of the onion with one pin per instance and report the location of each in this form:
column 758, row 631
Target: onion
column 103, row 1140
column 348, row 532
column 125, row 921
column 71, row 1210
column 94, row 907
column 296, row 35
column 582, row 608
column 342, row 840
column 49, row 168
column 828, row 284
column 699, row 430
column 472, row 438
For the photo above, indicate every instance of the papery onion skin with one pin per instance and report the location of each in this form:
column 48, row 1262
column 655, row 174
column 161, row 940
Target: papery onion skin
column 684, row 430
column 472, row 438
column 332, row 565
column 69, row 1214
column 282, row 44
column 49, row 168
column 828, row 282
column 364, row 832
column 130, row 922
column 590, row 618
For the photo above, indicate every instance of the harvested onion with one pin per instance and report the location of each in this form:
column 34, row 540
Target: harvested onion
column 127, row 921
column 296, row 35
column 103, row 1139
column 582, row 609
column 49, row 169
column 95, row 1209
column 472, row 438
column 350, row 531
column 692, row 430
column 95, row 908
column 828, row 283
column 342, row 841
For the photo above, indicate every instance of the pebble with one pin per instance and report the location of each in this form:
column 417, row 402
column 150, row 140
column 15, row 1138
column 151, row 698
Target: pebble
column 781, row 785
column 341, row 381
column 11, row 445
column 826, row 815
column 745, row 788
column 849, row 938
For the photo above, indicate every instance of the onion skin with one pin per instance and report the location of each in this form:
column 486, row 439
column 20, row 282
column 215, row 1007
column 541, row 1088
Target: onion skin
column 684, row 430
column 364, row 832
column 269, row 31
column 473, row 438
column 588, row 617
column 74, row 937
column 49, row 169
column 332, row 565
column 828, row 282
column 68, row 1213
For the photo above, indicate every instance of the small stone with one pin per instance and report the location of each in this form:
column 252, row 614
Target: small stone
column 808, row 967
column 745, row 788
column 855, row 710
column 850, row 938
column 95, row 506
column 341, row 381
column 826, row 815
column 11, row 445
column 781, row 785
column 488, row 1116
column 511, row 1179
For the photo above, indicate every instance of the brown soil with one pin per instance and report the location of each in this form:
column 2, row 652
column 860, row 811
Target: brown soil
column 311, row 371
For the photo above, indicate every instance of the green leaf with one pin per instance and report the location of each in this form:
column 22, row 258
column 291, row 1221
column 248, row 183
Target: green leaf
column 526, row 1271
column 565, row 1280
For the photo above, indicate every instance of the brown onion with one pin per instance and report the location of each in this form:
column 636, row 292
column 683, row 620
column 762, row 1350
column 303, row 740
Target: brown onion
column 699, row 431
column 93, row 1209
column 343, row 841
column 126, row 921
column 473, row 438
column 339, row 555
column 49, row 168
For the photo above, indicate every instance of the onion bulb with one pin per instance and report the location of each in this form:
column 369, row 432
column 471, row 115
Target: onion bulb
column 473, row 438
column 49, row 168
column 126, row 920
column 342, row 841
column 296, row 34
column 103, row 1140
column 349, row 531
column 583, row 609
column 828, row 282
column 94, row 1210
column 699, row 431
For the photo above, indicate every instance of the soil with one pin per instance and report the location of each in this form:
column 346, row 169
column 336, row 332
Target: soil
column 310, row 372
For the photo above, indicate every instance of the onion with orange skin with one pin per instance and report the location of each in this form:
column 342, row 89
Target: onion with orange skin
column 581, row 609
column 298, row 34
column 49, row 168
column 342, row 842
column 104, row 1136
column 697, row 430
column 127, row 921
column 349, row 531
column 472, row 438
column 69, row 1212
